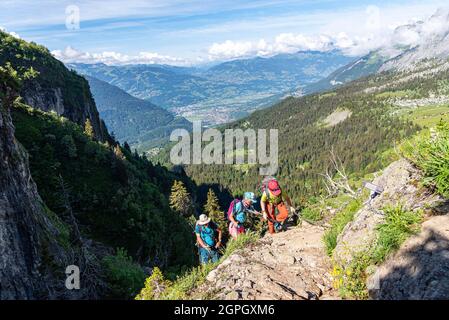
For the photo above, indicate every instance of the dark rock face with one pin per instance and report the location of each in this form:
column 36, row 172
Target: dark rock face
column 19, row 260
column 26, row 234
column 52, row 99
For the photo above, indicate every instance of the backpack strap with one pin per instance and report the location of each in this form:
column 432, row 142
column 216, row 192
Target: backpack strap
column 234, row 206
column 200, row 228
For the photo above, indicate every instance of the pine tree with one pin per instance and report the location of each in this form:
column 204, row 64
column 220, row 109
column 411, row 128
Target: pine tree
column 180, row 200
column 212, row 209
column 88, row 129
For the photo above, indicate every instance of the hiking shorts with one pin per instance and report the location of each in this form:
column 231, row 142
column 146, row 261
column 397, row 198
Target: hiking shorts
column 235, row 230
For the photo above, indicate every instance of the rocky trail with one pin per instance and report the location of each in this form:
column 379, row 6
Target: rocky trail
column 289, row 265
column 294, row 265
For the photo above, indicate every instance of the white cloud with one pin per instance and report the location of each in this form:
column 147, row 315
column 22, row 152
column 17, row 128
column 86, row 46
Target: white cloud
column 10, row 32
column 283, row 43
column 71, row 55
column 375, row 36
column 354, row 31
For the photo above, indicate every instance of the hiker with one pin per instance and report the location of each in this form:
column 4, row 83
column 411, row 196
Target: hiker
column 237, row 213
column 208, row 237
column 273, row 204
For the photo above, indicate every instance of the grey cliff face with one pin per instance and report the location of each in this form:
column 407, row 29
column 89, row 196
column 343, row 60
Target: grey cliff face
column 26, row 235
column 52, row 99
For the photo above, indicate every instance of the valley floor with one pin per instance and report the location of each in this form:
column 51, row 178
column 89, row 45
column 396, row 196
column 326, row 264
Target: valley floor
column 288, row 265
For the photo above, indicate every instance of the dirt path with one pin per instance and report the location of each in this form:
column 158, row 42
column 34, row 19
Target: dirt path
column 288, row 265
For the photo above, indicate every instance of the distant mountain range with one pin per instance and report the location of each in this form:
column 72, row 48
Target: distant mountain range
column 231, row 90
column 223, row 92
column 359, row 68
column 430, row 43
column 139, row 122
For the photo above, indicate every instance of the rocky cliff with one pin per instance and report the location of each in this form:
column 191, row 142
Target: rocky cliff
column 48, row 85
column 52, row 99
column 33, row 259
column 23, row 226
column 418, row 270
column 401, row 184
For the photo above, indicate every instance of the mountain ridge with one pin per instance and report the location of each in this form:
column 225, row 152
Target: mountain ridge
column 223, row 92
column 139, row 122
column 48, row 85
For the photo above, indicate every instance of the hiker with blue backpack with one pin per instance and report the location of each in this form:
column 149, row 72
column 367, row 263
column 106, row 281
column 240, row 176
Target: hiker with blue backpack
column 237, row 212
column 208, row 237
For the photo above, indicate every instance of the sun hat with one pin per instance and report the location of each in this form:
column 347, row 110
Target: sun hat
column 273, row 186
column 204, row 219
column 249, row 196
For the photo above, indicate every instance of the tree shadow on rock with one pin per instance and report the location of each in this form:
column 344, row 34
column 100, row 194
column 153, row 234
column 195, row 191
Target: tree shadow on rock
column 419, row 270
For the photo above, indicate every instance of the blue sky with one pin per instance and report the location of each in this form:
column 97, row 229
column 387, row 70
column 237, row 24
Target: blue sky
column 187, row 31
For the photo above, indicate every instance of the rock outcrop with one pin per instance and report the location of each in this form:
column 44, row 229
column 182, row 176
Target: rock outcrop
column 286, row 266
column 419, row 269
column 401, row 184
column 27, row 237
column 52, row 99
column 49, row 86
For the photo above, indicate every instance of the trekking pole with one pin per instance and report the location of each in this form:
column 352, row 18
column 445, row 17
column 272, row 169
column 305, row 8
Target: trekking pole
column 257, row 213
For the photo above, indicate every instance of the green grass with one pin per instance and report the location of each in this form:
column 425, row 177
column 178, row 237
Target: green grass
column 431, row 155
column 312, row 214
column 63, row 236
column 429, row 116
column 338, row 222
column 399, row 224
column 327, row 95
column 183, row 285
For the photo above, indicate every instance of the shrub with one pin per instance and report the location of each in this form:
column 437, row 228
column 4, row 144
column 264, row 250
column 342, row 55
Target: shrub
column 398, row 226
column 311, row 214
column 431, row 155
column 125, row 277
column 154, row 286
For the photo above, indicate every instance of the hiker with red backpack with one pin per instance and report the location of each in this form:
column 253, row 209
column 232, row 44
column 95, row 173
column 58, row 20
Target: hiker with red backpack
column 208, row 237
column 237, row 211
column 273, row 204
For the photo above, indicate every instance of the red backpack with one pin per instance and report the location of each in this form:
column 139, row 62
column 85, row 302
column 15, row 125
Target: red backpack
column 264, row 185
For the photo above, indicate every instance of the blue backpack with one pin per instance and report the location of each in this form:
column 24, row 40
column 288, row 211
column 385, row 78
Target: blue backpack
column 240, row 217
column 208, row 235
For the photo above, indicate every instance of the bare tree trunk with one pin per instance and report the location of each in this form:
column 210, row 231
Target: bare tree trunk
column 338, row 182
